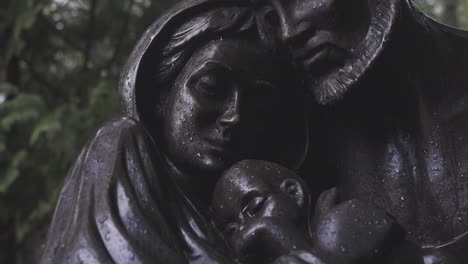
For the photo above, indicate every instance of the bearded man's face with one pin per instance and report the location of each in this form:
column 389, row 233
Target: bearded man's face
column 333, row 42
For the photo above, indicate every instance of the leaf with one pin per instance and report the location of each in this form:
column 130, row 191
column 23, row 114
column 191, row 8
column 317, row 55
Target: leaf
column 7, row 88
column 18, row 117
column 37, row 215
column 23, row 101
column 13, row 171
column 24, row 16
column 2, row 146
column 46, row 126
column 24, row 108
column 100, row 92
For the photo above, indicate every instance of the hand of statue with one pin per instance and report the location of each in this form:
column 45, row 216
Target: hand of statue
column 298, row 257
column 352, row 231
column 439, row 256
column 452, row 251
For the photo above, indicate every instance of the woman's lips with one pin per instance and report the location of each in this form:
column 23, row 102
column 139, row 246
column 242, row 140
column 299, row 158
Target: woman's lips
column 220, row 145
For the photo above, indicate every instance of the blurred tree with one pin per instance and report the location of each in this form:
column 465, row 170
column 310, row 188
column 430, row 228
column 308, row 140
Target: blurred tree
column 450, row 14
column 58, row 73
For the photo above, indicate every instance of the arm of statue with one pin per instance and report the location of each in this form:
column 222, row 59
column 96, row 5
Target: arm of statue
column 111, row 208
column 356, row 231
column 353, row 231
column 299, row 257
column 453, row 251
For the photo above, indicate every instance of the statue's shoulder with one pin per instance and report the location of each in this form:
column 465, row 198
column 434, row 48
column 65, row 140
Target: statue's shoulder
column 111, row 195
column 118, row 131
column 105, row 151
column 119, row 125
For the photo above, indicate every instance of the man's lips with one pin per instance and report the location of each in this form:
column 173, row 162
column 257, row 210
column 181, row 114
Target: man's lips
column 308, row 50
column 319, row 53
column 320, row 58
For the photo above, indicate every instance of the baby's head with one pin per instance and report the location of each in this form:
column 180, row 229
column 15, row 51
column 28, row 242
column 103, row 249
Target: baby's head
column 253, row 190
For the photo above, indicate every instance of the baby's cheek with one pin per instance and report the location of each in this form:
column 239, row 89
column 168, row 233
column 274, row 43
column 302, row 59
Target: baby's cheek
column 284, row 210
column 236, row 242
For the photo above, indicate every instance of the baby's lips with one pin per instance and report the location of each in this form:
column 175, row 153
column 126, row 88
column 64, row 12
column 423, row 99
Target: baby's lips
column 253, row 236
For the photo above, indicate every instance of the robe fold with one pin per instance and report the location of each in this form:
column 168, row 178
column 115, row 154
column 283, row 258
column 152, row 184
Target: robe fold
column 118, row 206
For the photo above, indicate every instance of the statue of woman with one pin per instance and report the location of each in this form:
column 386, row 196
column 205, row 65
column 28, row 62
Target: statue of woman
column 201, row 91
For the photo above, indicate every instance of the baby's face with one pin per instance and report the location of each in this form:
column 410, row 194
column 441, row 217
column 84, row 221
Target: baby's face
column 254, row 190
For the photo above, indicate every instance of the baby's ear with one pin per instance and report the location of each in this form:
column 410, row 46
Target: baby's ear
column 293, row 188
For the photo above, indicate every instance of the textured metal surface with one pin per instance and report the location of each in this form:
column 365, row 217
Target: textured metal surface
column 212, row 83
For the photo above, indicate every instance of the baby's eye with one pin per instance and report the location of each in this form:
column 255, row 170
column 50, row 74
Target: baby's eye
column 254, row 205
column 230, row 228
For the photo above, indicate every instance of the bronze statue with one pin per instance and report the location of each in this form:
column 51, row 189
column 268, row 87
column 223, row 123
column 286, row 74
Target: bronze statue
column 215, row 82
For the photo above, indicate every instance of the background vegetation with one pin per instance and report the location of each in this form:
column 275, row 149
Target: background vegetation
column 59, row 66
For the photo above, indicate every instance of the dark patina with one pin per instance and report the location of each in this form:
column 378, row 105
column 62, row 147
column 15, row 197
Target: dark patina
column 366, row 96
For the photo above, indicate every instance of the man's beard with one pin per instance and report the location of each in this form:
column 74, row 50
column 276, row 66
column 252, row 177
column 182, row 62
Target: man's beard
column 333, row 86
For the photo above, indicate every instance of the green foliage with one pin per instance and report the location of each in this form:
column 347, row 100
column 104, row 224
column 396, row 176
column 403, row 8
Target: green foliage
column 38, row 143
column 463, row 13
column 22, row 15
column 438, row 10
column 13, row 171
column 59, row 69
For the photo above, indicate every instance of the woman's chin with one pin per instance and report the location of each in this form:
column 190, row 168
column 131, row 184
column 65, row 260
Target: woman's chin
column 213, row 163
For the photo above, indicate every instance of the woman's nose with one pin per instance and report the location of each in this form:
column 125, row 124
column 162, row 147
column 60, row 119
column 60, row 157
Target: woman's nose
column 231, row 115
column 229, row 119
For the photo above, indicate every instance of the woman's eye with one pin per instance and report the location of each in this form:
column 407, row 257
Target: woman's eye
column 206, row 85
column 254, row 205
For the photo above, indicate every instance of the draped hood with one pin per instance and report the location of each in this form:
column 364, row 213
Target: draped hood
column 130, row 87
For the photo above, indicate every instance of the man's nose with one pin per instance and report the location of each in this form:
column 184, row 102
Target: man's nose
column 287, row 21
column 295, row 17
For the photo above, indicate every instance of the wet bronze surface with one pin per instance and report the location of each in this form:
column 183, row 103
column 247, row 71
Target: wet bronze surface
column 239, row 116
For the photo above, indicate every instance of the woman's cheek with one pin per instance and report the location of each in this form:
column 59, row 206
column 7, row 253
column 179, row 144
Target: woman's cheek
column 204, row 115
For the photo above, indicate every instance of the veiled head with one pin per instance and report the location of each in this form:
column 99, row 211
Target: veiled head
column 212, row 92
column 223, row 105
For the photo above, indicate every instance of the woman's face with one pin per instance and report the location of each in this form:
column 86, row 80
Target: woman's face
column 225, row 106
